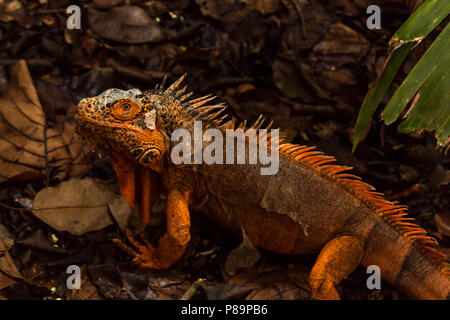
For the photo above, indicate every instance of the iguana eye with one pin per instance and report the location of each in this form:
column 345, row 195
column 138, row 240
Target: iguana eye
column 125, row 110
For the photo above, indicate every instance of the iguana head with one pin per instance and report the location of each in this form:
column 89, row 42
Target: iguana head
column 122, row 124
column 133, row 128
column 137, row 126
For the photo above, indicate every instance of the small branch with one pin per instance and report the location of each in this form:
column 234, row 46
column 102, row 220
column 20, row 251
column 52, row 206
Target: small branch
column 192, row 290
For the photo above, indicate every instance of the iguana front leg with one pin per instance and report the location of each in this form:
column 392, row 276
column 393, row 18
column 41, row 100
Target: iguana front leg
column 172, row 244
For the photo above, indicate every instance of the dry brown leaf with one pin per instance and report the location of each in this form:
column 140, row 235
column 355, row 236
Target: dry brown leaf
column 286, row 78
column 271, row 285
column 244, row 256
column 442, row 220
column 105, row 4
column 87, row 289
column 214, row 8
column 263, row 6
column 7, row 237
column 79, row 206
column 7, row 264
column 341, row 39
column 300, row 275
column 27, row 146
column 6, row 281
column 128, row 24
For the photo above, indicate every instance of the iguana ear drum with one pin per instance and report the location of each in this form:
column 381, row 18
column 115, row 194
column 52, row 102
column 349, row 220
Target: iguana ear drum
column 150, row 120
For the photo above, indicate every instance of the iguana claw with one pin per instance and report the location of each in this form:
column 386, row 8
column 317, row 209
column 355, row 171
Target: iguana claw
column 142, row 253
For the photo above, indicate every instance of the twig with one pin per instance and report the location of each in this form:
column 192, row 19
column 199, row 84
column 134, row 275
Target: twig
column 46, row 11
column 192, row 290
column 53, row 208
column 146, row 75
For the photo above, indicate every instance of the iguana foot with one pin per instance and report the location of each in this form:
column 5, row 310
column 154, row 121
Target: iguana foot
column 142, row 253
column 172, row 244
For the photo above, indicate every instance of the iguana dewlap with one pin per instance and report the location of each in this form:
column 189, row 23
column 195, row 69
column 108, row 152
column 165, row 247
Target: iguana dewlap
column 309, row 206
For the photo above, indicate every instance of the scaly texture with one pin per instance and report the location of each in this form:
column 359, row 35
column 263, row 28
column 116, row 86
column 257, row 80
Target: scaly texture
column 309, row 206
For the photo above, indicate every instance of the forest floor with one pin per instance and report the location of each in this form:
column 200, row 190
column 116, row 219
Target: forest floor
column 307, row 65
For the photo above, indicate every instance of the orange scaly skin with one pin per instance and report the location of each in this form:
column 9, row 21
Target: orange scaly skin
column 309, row 206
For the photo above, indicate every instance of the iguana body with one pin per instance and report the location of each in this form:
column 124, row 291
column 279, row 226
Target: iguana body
column 309, row 206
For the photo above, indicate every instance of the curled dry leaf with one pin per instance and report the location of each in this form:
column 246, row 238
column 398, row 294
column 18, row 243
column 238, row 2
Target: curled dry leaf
column 6, row 281
column 7, row 237
column 343, row 40
column 270, row 285
column 214, row 8
column 286, row 78
column 382, row 3
column 220, row 291
column 329, row 69
column 127, row 281
column 7, row 265
column 104, row 4
column 28, row 148
column 263, row 6
column 128, row 24
column 442, row 220
column 439, row 177
column 79, row 206
column 244, row 256
column 300, row 275
column 87, row 289
column 11, row 10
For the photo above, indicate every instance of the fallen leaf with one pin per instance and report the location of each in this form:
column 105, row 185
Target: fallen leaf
column 307, row 24
column 28, row 148
column 220, row 291
column 104, row 4
column 107, row 279
column 215, row 8
column 78, row 206
column 439, row 177
column 263, row 6
column 408, row 174
column 6, row 281
column 244, row 256
column 87, row 289
column 136, row 283
column 128, row 24
column 7, row 264
column 120, row 211
column 127, row 281
column 270, row 285
column 442, row 220
column 300, row 275
column 344, row 7
column 7, row 237
column 342, row 40
column 158, row 279
column 286, row 78
column 37, row 240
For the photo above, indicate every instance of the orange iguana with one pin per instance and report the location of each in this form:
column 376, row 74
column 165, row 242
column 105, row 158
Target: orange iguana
column 309, row 206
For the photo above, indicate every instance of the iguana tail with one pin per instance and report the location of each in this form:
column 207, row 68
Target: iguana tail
column 418, row 272
column 404, row 251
